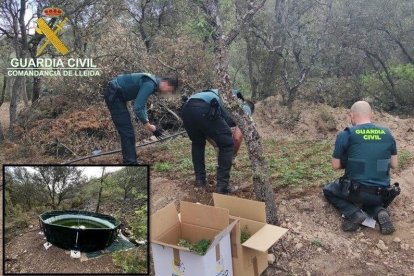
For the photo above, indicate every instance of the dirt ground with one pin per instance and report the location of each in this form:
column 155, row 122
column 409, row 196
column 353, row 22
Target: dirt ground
column 26, row 254
column 315, row 243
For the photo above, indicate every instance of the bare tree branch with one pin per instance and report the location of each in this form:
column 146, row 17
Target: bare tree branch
column 254, row 7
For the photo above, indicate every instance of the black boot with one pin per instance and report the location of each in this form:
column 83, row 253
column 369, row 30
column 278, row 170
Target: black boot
column 200, row 183
column 385, row 223
column 226, row 190
column 352, row 223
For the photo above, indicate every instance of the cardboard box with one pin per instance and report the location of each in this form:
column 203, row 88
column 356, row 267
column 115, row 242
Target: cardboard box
column 195, row 222
column 249, row 258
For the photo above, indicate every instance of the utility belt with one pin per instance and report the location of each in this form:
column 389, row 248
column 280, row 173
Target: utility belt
column 197, row 103
column 214, row 109
column 388, row 194
column 114, row 92
column 372, row 189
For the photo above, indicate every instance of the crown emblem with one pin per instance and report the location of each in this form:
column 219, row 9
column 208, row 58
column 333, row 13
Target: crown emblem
column 52, row 12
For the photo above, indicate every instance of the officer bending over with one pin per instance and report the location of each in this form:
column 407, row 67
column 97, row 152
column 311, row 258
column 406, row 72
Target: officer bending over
column 248, row 108
column 367, row 152
column 137, row 87
column 204, row 116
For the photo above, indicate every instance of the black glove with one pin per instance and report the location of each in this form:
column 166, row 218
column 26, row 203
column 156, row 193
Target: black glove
column 240, row 96
column 158, row 133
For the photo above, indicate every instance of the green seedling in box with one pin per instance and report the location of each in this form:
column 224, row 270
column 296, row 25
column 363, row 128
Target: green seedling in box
column 200, row 247
column 184, row 243
column 244, row 235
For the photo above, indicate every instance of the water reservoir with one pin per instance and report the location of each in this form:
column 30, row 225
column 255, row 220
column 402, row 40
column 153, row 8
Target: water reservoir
column 79, row 230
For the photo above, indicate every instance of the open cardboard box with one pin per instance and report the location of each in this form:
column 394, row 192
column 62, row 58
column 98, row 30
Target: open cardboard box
column 195, row 222
column 249, row 258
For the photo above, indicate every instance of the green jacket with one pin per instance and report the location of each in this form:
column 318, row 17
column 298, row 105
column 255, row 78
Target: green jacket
column 138, row 87
column 369, row 154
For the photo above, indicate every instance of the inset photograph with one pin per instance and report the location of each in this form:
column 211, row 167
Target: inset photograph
column 75, row 219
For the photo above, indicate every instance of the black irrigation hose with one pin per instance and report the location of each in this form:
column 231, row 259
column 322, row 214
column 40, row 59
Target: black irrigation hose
column 119, row 150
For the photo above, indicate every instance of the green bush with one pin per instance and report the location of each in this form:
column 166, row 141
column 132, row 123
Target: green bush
column 139, row 223
column 328, row 118
column 185, row 164
column 317, row 242
column 163, row 166
column 403, row 78
column 343, row 91
column 403, row 71
column 132, row 261
column 405, row 158
column 77, row 201
column 19, row 218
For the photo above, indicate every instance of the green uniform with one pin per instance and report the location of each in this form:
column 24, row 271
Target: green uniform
column 137, row 87
column 365, row 151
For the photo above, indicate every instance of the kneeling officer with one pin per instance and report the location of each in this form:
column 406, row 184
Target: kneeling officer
column 366, row 152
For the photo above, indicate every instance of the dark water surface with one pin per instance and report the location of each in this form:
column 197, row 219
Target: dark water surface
column 69, row 222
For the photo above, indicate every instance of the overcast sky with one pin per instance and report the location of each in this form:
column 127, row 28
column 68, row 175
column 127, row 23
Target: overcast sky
column 97, row 171
column 93, row 171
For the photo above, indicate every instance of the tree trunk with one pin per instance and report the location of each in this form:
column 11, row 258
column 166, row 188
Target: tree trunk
column 291, row 98
column 36, row 88
column 13, row 104
column 1, row 133
column 99, row 198
column 24, row 93
column 388, row 83
column 100, row 190
column 402, row 47
column 36, row 80
column 21, row 48
column 3, row 92
column 268, row 81
column 261, row 181
column 249, row 56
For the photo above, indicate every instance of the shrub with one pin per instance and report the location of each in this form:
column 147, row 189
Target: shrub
column 403, row 77
column 132, row 261
column 405, row 159
column 328, row 120
column 163, row 166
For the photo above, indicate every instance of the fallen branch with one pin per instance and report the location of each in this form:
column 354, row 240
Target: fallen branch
column 166, row 65
column 172, row 112
column 66, row 147
column 119, row 150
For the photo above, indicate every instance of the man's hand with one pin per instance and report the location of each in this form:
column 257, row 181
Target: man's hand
column 394, row 161
column 149, row 127
column 336, row 164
